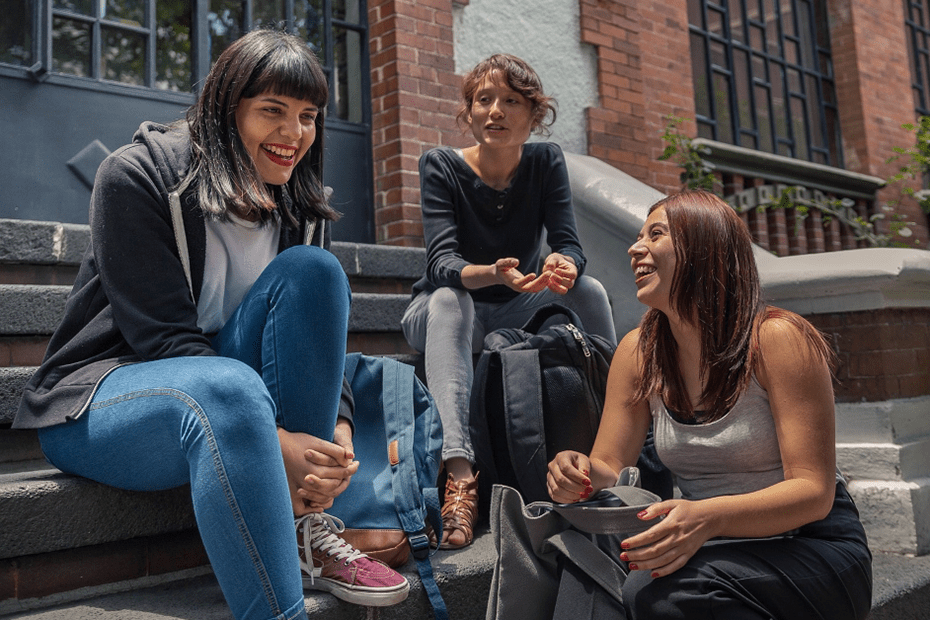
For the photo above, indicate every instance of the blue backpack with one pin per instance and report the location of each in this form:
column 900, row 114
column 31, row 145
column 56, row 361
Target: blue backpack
column 394, row 493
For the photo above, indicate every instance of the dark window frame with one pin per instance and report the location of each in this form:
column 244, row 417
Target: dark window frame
column 802, row 104
column 917, row 20
column 41, row 53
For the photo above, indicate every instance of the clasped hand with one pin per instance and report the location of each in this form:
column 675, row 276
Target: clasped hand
column 317, row 470
column 558, row 275
column 681, row 526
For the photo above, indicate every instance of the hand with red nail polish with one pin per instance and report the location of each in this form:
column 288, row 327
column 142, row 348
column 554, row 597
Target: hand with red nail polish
column 568, row 480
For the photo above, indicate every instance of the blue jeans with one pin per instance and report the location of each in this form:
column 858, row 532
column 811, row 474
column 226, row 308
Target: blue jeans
column 449, row 327
column 211, row 422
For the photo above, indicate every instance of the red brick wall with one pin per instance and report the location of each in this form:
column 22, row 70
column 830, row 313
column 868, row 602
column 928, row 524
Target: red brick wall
column 414, row 91
column 882, row 354
column 873, row 81
column 644, row 74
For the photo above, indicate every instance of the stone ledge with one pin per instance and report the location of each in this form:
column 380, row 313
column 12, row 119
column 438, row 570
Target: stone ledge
column 42, row 243
column 47, row 510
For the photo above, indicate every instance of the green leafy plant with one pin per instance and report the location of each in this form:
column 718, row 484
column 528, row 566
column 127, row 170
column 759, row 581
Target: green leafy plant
column 699, row 174
column 696, row 173
column 915, row 162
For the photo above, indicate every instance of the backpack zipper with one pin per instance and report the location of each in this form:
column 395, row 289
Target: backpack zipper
column 579, row 337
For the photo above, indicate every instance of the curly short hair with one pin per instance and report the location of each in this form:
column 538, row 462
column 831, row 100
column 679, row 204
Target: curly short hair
column 521, row 78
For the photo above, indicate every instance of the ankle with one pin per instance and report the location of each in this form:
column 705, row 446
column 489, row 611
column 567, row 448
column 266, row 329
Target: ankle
column 460, row 469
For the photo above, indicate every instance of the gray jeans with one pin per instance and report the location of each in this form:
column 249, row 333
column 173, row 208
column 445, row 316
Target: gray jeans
column 448, row 327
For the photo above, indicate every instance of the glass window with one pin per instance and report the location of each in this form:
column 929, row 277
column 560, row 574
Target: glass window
column 15, row 39
column 771, row 75
column 112, row 40
column 916, row 13
column 173, row 46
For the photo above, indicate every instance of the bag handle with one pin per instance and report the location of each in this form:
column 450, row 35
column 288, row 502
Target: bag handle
column 587, row 556
column 547, row 312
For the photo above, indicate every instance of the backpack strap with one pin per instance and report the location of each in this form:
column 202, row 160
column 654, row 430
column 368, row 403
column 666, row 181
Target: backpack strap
column 398, row 382
column 523, row 407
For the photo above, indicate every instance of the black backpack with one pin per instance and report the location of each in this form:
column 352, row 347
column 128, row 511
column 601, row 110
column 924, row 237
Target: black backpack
column 537, row 391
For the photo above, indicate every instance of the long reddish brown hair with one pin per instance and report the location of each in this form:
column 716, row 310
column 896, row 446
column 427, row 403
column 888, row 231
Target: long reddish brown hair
column 715, row 287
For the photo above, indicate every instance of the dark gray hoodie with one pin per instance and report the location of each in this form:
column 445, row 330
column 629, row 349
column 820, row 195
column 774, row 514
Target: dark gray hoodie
column 135, row 295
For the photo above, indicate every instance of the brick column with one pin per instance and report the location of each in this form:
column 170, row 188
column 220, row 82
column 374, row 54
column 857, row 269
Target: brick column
column 644, row 74
column 873, row 83
column 413, row 90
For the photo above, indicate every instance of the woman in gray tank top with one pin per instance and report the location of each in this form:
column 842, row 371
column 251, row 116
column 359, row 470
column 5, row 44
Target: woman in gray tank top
column 742, row 401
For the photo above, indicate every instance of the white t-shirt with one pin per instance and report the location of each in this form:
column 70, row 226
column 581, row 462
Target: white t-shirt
column 237, row 253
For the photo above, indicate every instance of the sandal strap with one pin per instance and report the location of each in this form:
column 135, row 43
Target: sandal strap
column 460, row 508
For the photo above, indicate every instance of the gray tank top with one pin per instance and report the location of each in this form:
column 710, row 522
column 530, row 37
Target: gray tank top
column 733, row 455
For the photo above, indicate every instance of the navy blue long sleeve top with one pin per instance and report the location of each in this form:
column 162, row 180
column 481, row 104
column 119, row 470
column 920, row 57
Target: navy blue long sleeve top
column 467, row 222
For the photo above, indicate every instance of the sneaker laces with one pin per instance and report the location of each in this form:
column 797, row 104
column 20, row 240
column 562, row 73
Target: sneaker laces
column 320, row 532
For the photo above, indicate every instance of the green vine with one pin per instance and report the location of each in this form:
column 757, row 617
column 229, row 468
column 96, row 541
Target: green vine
column 916, row 164
column 697, row 173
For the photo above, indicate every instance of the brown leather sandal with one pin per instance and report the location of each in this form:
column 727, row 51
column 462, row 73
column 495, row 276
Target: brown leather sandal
column 459, row 511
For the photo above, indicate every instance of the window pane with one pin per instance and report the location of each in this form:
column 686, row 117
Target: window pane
column 792, row 56
column 807, row 42
column 764, row 119
column 70, row 47
column 705, row 131
column 173, row 46
column 813, row 113
column 84, row 7
column 699, row 74
column 347, row 80
column 743, row 93
column 122, row 56
column 737, row 22
column 347, row 10
column 779, row 104
column 794, row 81
column 125, row 11
column 799, row 128
column 267, row 13
column 722, row 102
column 694, row 13
column 757, row 38
column 16, row 33
column 714, row 22
column 718, row 55
column 308, row 19
column 225, row 25
column 787, row 18
column 833, row 129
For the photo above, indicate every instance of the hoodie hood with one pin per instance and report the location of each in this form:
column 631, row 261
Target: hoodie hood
column 170, row 149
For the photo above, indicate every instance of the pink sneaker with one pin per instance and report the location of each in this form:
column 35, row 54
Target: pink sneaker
column 337, row 567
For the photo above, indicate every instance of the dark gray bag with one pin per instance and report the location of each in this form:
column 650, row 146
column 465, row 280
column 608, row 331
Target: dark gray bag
column 530, row 539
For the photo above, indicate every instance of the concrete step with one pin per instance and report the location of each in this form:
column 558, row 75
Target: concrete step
column 901, row 591
column 464, row 578
column 36, row 310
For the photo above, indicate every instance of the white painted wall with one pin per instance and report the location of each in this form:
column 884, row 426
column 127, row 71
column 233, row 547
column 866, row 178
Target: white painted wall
column 545, row 33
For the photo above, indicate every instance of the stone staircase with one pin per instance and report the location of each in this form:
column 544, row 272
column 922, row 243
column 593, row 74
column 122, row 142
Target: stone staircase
column 63, row 538
column 73, row 549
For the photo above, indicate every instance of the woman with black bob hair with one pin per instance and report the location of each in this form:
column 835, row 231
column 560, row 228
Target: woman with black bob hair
column 741, row 397
column 204, row 340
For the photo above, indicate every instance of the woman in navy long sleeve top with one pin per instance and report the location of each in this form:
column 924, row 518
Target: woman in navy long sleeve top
column 485, row 208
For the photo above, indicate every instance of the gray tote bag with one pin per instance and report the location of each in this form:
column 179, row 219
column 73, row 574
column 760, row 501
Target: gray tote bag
column 530, row 538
